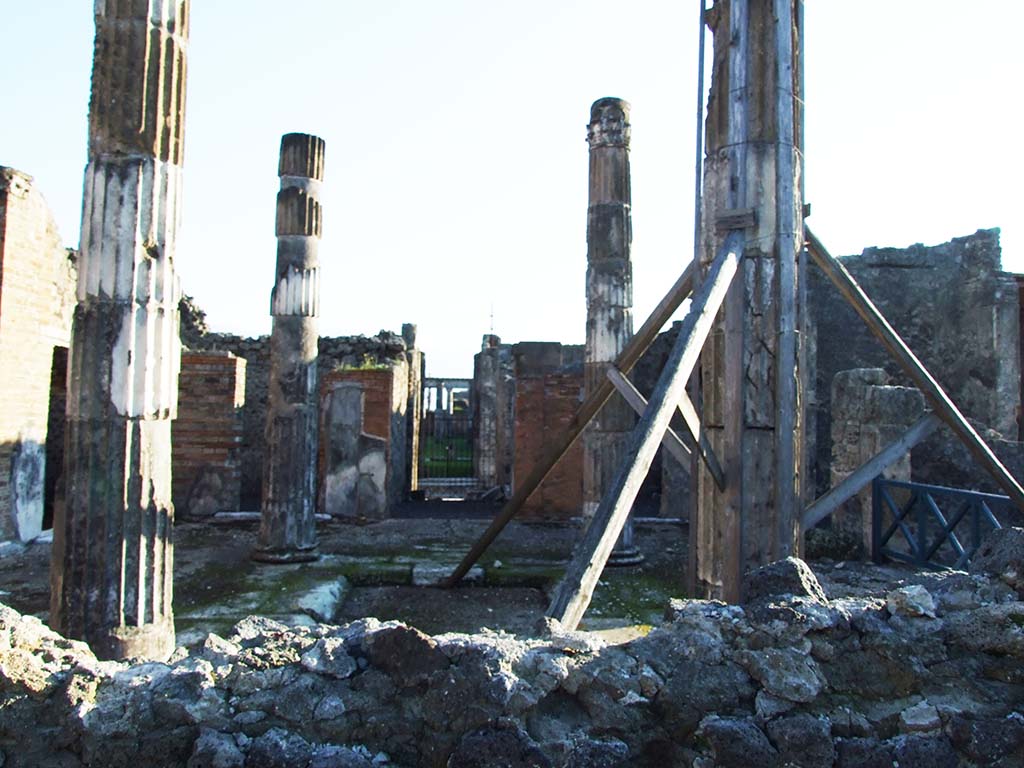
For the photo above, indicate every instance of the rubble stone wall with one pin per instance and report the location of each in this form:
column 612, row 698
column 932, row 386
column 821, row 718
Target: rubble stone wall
column 925, row 674
column 37, row 297
column 867, row 415
column 956, row 310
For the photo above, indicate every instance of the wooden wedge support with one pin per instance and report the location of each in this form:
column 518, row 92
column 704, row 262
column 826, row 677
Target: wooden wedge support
column 634, row 350
column 574, row 592
column 869, row 470
column 638, row 403
column 901, row 353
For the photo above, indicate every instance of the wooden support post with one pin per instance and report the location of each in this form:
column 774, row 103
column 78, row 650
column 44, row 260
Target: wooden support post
column 574, row 592
column 923, row 380
column 634, row 350
column 869, row 470
column 673, row 444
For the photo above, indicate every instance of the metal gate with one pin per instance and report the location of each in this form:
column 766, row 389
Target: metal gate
column 446, row 446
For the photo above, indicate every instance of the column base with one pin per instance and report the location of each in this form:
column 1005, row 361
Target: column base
column 285, row 556
column 152, row 642
column 620, row 558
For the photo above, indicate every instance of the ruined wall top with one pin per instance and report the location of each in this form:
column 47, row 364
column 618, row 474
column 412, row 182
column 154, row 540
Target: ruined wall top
column 609, row 123
column 302, row 155
column 137, row 106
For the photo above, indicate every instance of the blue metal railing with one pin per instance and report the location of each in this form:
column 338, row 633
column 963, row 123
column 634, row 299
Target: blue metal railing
column 927, row 521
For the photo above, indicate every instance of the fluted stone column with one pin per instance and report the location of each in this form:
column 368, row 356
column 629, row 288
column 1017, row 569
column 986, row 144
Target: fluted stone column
column 288, row 525
column 111, row 565
column 609, row 303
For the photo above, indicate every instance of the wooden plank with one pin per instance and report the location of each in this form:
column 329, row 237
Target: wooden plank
column 638, row 403
column 788, row 212
column 574, row 592
column 704, row 449
column 901, row 353
column 869, row 470
column 735, row 218
column 629, row 356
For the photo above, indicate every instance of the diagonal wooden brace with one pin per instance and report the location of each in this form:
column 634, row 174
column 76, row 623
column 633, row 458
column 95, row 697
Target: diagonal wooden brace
column 673, row 444
column 671, row 441
column 590, row 407
column 868, row 471
column 944, row 407
column 574, row 592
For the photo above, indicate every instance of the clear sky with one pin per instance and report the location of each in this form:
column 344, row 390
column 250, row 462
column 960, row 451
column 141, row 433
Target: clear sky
column 456, row 171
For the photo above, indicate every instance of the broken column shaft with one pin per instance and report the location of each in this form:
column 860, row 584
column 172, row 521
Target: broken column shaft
column 111, row 566
column 609, row 303
column 288, row 524
column 752, row 368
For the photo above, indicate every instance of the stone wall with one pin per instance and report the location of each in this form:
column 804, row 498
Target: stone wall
column 548, row 390
column 207, row 434
column 493, row 401
column 922, row 674
column 382, row 416
column 37, row 297
column 867, row 415
column 334, row 352
column 955, row 309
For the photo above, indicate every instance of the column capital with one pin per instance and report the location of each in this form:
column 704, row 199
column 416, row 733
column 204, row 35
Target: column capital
column 609, row 123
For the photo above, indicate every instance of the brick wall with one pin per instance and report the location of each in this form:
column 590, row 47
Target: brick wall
column 207, row 435
column 37, row 279
column 544, row 406
column 334, row 351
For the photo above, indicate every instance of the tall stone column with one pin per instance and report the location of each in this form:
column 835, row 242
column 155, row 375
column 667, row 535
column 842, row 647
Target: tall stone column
column 751, row 368
column 288, row 525
column 609, row 303
column 111, row 565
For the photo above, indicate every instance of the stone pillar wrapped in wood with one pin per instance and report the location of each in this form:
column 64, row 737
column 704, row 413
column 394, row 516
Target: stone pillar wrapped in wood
column 288, row 524
column 111, row 565
column 752, row 382
column 609, row 303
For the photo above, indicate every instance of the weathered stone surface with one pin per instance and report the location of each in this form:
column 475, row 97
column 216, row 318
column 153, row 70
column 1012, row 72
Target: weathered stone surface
column 802, row 740
column 738, row 743
column 863, row 753
column 329, row 657
column 1001, row 554
column 383, row 693
column 926, row 752
column 913, row 600
column 790, row 576
column 215, row 750
column 784, row 672
column 990, row 741
column 507, row 746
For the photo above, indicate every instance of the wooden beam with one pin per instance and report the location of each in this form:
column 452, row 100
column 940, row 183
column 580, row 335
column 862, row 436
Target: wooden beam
column 634, row 350
column 638, row 403
column 869, row 470
column 574, row 592
column 937, row 397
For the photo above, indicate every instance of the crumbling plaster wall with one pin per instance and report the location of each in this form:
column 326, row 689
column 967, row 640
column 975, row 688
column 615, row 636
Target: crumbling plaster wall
column 956, row 310
column 37, row 298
